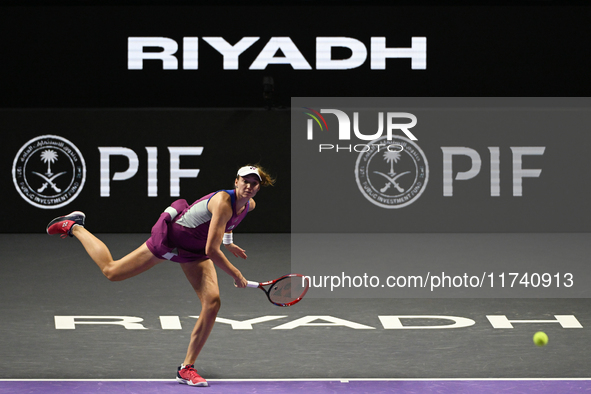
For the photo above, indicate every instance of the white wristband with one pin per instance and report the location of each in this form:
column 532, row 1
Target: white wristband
column 228, row 239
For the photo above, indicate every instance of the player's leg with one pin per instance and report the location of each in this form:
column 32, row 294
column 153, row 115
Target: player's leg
column 203, row 278
column 134, row 263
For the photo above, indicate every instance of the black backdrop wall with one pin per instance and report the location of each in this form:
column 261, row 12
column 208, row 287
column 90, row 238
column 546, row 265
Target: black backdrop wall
column 72, row 72
column 159, row 154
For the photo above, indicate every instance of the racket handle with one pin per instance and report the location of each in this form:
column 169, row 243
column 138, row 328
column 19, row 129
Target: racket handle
column 252, row 284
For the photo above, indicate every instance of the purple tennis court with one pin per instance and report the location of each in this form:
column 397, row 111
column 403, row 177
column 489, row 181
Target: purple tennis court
column 302, row 386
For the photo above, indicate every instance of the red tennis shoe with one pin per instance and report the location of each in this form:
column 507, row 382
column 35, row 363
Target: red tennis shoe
column 188, row 375
column 63, row 224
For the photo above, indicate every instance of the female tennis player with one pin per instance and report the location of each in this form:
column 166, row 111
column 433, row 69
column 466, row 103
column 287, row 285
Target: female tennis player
column 186, row 234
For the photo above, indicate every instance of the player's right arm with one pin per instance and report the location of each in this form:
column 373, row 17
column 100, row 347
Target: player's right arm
column 221, row 211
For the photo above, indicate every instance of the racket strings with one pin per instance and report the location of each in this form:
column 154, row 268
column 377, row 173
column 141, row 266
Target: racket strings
column 287, row 290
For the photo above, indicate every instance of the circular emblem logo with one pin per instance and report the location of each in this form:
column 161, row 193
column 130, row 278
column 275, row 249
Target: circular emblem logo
column 392, row 173
column 49, row 172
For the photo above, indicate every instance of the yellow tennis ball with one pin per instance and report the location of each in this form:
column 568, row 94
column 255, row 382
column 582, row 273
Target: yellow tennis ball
column 540, row 338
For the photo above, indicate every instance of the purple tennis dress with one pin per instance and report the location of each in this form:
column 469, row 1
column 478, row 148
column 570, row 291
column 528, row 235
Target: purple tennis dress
column 180, row 234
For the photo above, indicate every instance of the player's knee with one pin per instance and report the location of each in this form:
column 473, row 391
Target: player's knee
column 213, row 303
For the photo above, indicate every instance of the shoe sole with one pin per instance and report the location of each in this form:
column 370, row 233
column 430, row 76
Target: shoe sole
column 183, row 381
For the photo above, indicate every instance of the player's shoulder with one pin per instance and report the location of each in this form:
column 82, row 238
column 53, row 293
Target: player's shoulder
column 219, row 201
column 221, row 195
column 251, row 204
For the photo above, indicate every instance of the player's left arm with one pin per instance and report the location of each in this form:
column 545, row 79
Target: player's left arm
column 221, row 210
column 232, row 247
column 235, row 249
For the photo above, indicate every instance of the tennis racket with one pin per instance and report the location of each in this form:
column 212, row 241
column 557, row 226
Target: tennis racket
column 284, row 291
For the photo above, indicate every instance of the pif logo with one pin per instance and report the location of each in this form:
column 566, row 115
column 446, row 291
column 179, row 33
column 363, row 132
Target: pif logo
column 49, row 172
column 392, row 179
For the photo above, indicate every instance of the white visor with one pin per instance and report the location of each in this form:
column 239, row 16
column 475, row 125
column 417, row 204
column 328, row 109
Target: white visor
column 248, row 170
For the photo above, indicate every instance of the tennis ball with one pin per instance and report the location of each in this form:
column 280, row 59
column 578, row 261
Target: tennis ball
column 540, row 338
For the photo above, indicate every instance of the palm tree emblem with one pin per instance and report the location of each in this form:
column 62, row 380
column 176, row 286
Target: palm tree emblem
column 392, row 157
column 49, row 156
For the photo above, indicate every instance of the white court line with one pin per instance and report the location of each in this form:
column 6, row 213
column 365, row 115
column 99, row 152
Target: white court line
column 342, row 380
